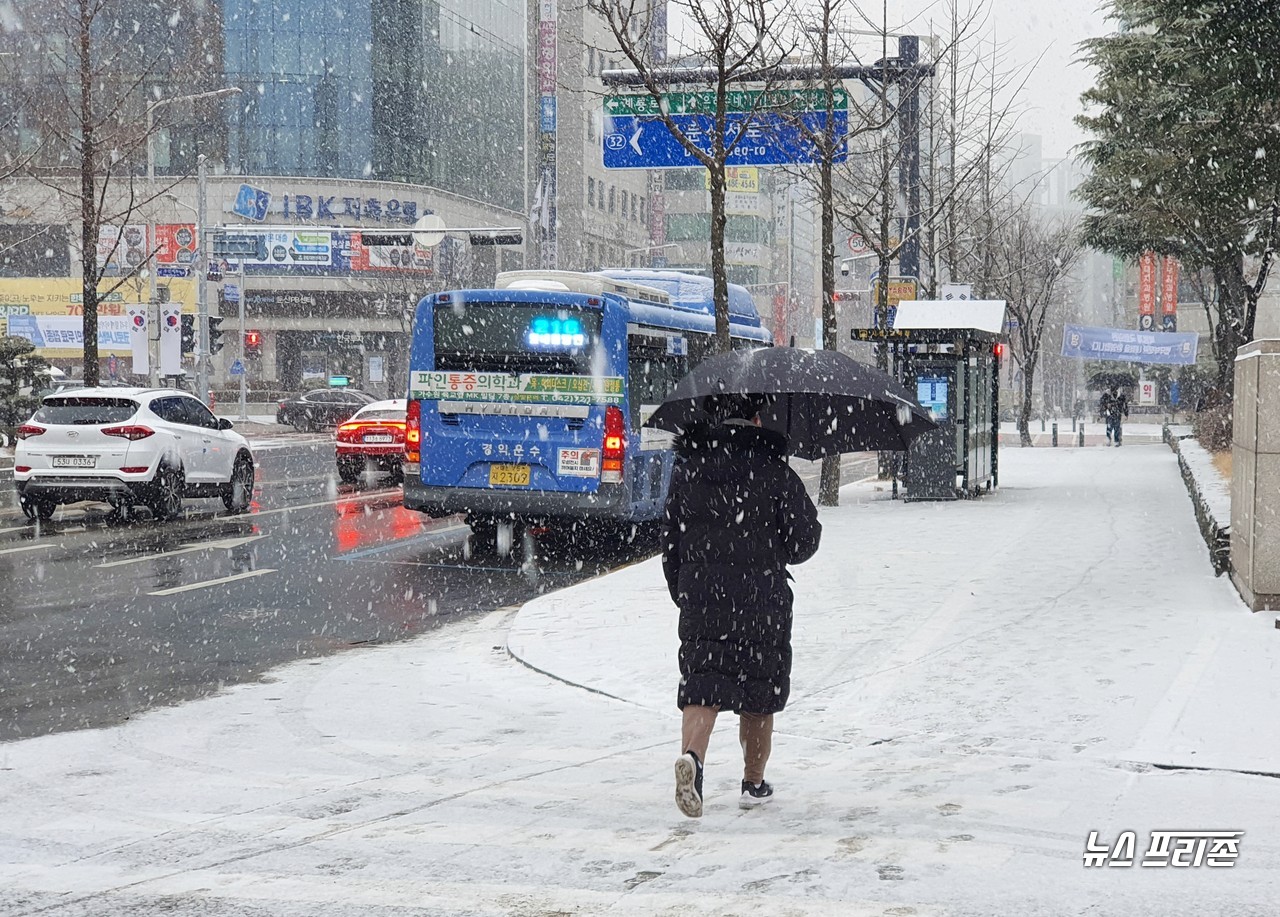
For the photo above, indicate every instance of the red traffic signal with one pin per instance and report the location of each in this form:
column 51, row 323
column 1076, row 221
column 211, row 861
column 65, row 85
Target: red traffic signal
column 253, row 339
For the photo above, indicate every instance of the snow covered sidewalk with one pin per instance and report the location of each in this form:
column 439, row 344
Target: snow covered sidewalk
column 977, row 686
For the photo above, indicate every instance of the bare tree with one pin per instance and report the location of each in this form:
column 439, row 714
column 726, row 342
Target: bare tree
column 88, row 77
column 732, row 44
column 1028, row 261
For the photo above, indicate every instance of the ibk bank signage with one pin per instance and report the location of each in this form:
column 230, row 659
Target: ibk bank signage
column 345, row 208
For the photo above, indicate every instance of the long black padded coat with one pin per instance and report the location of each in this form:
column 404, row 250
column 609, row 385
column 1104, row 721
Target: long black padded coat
column 736, row 516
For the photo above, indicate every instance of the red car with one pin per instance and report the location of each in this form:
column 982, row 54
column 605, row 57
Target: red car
column 372, row 440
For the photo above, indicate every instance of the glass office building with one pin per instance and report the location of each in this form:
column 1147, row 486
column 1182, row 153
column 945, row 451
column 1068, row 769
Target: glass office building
column 422, row 91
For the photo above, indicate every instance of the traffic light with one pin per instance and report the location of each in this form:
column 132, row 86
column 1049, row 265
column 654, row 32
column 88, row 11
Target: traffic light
column 215, row 334
column 252, row 341
column 188, row 333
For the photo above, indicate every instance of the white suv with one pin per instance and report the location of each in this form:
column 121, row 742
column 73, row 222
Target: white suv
column 126, row 446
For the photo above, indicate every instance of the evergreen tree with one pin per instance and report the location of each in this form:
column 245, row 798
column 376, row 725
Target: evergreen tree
column 1186, row 151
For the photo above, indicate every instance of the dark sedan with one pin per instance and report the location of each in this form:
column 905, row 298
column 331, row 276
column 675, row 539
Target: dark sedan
column 321, row 407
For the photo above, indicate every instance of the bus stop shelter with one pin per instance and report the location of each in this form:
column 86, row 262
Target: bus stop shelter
column 948, row 352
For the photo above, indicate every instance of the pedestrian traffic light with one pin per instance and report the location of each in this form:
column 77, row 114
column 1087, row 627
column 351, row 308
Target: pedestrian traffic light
column 252, row 341
column 215, row 334
column 188, row 333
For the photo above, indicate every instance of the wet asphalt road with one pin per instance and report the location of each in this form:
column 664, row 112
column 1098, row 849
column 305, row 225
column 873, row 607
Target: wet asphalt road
column 100, row 622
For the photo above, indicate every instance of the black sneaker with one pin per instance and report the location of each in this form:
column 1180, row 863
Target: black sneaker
column 755, row 794
column 689, row 784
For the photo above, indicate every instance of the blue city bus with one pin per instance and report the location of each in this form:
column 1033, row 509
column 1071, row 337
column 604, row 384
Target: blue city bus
column 526, row 402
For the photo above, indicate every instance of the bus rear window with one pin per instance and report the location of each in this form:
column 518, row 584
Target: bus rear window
column 516, row 337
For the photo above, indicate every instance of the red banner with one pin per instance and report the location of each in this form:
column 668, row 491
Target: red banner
column 175, row 243
column 1169, row 286
column 1147, row 291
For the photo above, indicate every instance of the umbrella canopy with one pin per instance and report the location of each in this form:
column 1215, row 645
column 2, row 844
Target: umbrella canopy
column 824, row 402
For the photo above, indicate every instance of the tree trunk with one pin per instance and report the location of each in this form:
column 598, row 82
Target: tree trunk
column 1028, row 393
column 829, row 487
column 89, row 216
column 719, row 273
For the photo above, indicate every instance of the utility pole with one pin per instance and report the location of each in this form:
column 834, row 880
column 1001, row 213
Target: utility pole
column 202, row 281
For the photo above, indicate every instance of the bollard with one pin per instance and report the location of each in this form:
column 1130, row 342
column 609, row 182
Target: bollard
column 1082, row 435
column 1073, row 425
column 1041, row 423
column 1055, row 434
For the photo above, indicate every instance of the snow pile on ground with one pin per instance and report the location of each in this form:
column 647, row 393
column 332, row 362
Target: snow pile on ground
column 1215, row 489
column 977, row 686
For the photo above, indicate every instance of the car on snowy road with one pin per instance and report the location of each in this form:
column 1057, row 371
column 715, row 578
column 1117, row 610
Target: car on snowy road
column 128, row 447
column 372, row 440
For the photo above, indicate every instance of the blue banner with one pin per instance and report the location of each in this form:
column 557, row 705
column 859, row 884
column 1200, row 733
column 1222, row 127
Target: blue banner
column 1129, row 346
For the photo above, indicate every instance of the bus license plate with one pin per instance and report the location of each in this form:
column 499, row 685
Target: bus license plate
column 75, row 461
column 509, row 475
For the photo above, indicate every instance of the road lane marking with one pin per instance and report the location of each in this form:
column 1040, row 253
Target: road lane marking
column 213, row 582
column 30, row 547
column 226, row 543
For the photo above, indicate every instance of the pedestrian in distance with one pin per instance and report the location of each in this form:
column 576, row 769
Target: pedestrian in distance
column 736, row 516
column 1104, row 412
column 1117, row 408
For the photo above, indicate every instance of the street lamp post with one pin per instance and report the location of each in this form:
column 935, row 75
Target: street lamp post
column 201, row 261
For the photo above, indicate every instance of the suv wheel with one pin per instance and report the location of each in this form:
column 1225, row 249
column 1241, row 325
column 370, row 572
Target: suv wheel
column 166, row 499
column 239, row 491
column 35, row 509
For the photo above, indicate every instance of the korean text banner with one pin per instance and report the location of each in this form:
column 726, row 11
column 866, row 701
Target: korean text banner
column 65, row 333
column 1129, row 346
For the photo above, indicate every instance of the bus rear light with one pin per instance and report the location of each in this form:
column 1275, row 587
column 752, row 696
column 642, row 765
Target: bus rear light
column 413, row 433
column 615, row 446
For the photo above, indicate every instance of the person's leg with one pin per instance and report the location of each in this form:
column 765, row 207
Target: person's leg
column 755, row 732
column 695, row 731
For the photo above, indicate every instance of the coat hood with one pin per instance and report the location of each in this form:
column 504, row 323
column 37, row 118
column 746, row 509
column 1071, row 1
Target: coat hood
column 718, row 451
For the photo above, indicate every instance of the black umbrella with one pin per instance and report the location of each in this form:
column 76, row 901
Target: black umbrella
column 823, row 401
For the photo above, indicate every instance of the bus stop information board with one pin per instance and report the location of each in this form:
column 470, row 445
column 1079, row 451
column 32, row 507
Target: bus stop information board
column 635, row 136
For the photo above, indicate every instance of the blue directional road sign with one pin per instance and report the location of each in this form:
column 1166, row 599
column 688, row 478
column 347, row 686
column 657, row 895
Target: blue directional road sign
column 636, row 137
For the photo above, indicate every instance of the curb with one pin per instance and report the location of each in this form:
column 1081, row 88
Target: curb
column 1216, row 534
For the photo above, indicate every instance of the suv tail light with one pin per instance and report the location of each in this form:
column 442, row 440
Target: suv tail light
column 615, row 446
column 413, row 433
column 28, row 430
column 129, row 431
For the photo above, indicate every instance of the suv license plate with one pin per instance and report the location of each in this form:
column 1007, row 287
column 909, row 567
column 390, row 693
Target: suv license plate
column 509, row 475
column 75, row 461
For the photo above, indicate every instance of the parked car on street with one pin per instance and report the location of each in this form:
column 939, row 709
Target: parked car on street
column 129, row 446
column 372, row 440
column 321, row 407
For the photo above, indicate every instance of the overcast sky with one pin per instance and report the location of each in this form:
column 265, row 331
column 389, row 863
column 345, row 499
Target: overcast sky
column 1026, row 29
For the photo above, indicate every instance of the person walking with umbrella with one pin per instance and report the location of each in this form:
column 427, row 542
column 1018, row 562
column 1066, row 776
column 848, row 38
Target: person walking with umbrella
column 736, row 516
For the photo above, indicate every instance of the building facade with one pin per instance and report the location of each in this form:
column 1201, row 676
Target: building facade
column 351, row 117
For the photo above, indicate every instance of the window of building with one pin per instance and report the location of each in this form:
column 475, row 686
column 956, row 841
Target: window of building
column 591, row 191
column 624, row 204
column 635, row 209
column 591, row 126
column 613, row 201
column 644, row 211
column 688, row 227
